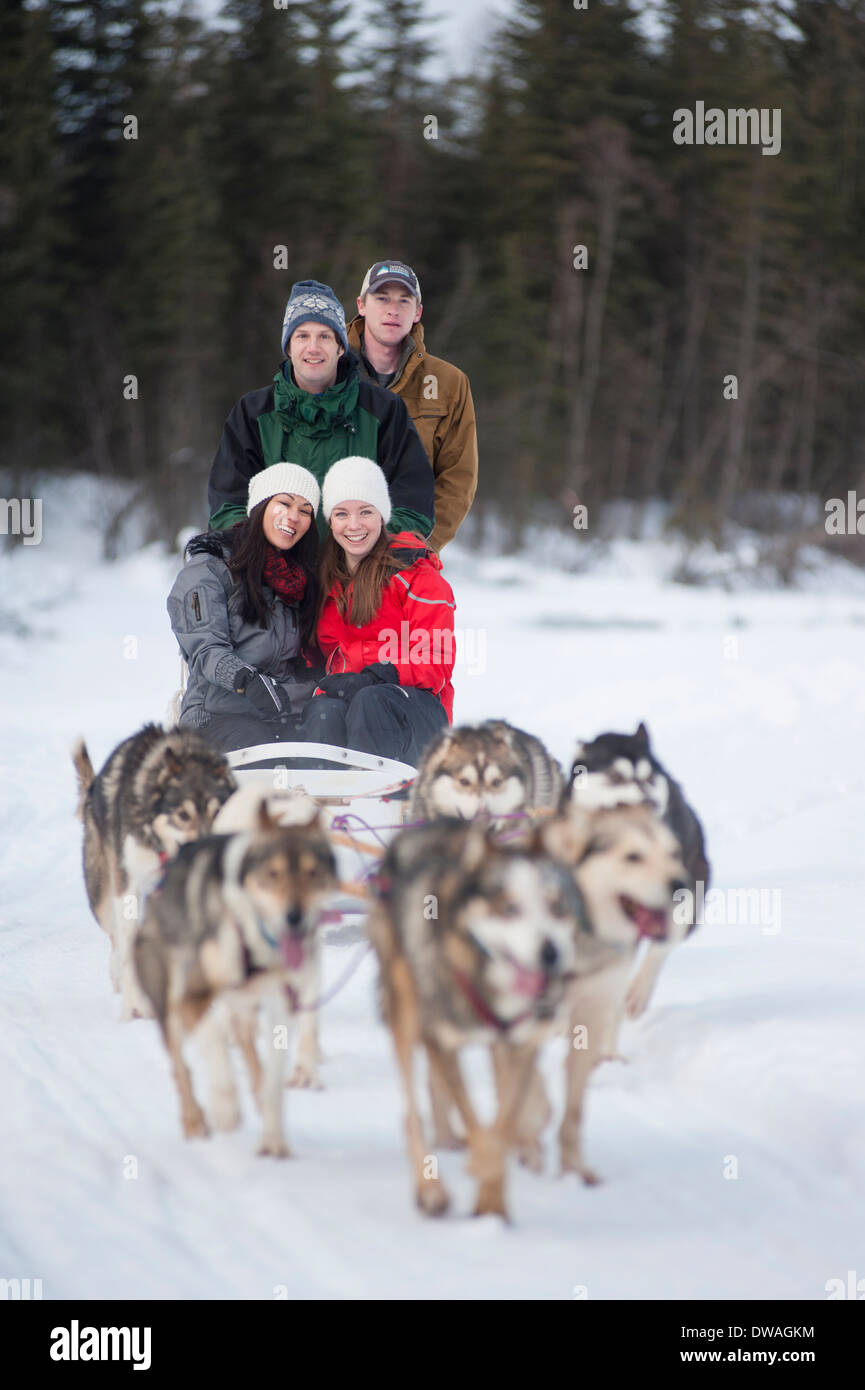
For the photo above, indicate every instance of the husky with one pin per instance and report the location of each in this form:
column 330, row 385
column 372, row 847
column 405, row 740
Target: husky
column 615, row 768
column 477, row 944
column 291, row 806
column 157, row 791
column 490, row 771
column 628, row 866
column 621, row 769
column 233, row 923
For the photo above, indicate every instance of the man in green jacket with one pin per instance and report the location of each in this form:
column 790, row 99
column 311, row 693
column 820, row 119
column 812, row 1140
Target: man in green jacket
column 318, row 410
column 389, row 337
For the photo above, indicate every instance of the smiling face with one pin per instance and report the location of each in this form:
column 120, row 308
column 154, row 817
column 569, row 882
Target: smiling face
column 356, row 526
column 287, row 517
column 314, row 352
column 390, row 312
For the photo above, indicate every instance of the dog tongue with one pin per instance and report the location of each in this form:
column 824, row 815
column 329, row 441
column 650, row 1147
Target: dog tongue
column 649, row 922
column 292, row 952
column 529, row 982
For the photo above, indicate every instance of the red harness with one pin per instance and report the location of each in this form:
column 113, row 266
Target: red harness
column 483, row 1010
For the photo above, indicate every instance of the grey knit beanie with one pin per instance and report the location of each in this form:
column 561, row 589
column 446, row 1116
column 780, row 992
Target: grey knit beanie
column 312, row 302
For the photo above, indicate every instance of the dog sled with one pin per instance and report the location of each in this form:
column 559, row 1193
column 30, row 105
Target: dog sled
column 362, row 798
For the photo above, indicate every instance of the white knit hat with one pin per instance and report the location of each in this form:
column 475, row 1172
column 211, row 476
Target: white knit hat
column 283, row 477
column 355, row 480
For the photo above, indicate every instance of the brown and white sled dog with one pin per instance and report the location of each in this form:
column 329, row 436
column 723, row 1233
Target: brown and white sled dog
column 477, row 944
column 289, row 807
column 628, row 866
column 157, row 791
column 621, row 769
column 489, row 771
column 233, row 924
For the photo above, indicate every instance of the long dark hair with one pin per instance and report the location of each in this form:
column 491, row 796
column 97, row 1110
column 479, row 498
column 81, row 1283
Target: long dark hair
column 244, row 548
column 369, row 579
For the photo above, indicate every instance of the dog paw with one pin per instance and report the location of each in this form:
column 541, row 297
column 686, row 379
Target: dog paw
column 531, row 1155
column 305, row 1077
column 432, row 1197
column 195, row 1125
column 491, row 1201
column 273, row 1146
column 572, row 1163
column 135, row 1008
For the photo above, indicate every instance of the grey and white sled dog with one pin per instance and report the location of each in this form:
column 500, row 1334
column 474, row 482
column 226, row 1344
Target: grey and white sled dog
column 628, row 866
column 291, row 806
column 620, row 769
column 477, row 943
column 157, row 791
column 233, row 924
column 491, row 771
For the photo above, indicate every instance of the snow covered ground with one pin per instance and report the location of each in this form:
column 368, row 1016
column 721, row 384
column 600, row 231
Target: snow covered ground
column 733, row 1141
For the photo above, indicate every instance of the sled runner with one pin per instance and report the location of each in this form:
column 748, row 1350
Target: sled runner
column 349, row 773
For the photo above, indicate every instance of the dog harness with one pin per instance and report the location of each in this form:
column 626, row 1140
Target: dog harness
column 483, row 1010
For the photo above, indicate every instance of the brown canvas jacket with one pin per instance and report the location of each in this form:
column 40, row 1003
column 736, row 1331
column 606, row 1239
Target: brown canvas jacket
column 439, row 400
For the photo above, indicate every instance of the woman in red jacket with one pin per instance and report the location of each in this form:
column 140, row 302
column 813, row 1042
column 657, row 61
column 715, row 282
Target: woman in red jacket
column 385, row 626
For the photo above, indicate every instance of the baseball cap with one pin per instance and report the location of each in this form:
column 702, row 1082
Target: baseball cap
column 385, row 272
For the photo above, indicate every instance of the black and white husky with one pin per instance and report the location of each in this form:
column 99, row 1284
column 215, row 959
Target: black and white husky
column 621, row 769
column 158, row 790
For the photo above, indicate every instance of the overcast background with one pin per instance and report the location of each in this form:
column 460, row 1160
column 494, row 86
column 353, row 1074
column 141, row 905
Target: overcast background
column 458, row 27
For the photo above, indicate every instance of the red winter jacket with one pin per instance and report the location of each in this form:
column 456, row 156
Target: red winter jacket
column 413, row 628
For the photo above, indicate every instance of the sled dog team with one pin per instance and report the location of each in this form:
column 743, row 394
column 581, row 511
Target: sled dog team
column 511, row 907
column 290, row 613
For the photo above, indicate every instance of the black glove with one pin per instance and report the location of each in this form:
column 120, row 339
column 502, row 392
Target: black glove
column 262, row 692
column 346, row 685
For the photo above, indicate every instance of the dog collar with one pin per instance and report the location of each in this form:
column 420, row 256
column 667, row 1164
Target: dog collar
column 271, row 940
column 483, row 1009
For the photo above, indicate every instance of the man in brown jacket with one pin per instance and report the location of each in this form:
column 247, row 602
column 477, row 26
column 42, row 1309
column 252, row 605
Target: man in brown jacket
column 388, row 337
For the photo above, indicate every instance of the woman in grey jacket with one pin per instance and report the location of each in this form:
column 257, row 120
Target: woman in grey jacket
column 243, row 611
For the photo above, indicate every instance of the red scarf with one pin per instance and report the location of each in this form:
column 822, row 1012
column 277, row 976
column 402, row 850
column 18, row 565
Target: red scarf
column 286, row 577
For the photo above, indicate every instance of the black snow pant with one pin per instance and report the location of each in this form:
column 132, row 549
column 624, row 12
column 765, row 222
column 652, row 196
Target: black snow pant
column 395, row 721
column 231, row 731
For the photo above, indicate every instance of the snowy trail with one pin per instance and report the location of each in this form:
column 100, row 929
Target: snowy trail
column 752, row 1050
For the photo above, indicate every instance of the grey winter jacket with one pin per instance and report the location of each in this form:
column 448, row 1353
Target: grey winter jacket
column 205, row 611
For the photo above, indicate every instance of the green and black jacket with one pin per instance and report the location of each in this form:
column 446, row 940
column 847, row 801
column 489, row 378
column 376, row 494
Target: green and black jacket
column 282, row 423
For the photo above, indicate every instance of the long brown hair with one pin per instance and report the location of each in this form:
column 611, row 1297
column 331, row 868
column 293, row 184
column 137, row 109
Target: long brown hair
column 244, row 548
column 369, row 579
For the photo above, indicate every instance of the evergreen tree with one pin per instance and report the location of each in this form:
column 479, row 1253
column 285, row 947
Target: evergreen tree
column 35, row 243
